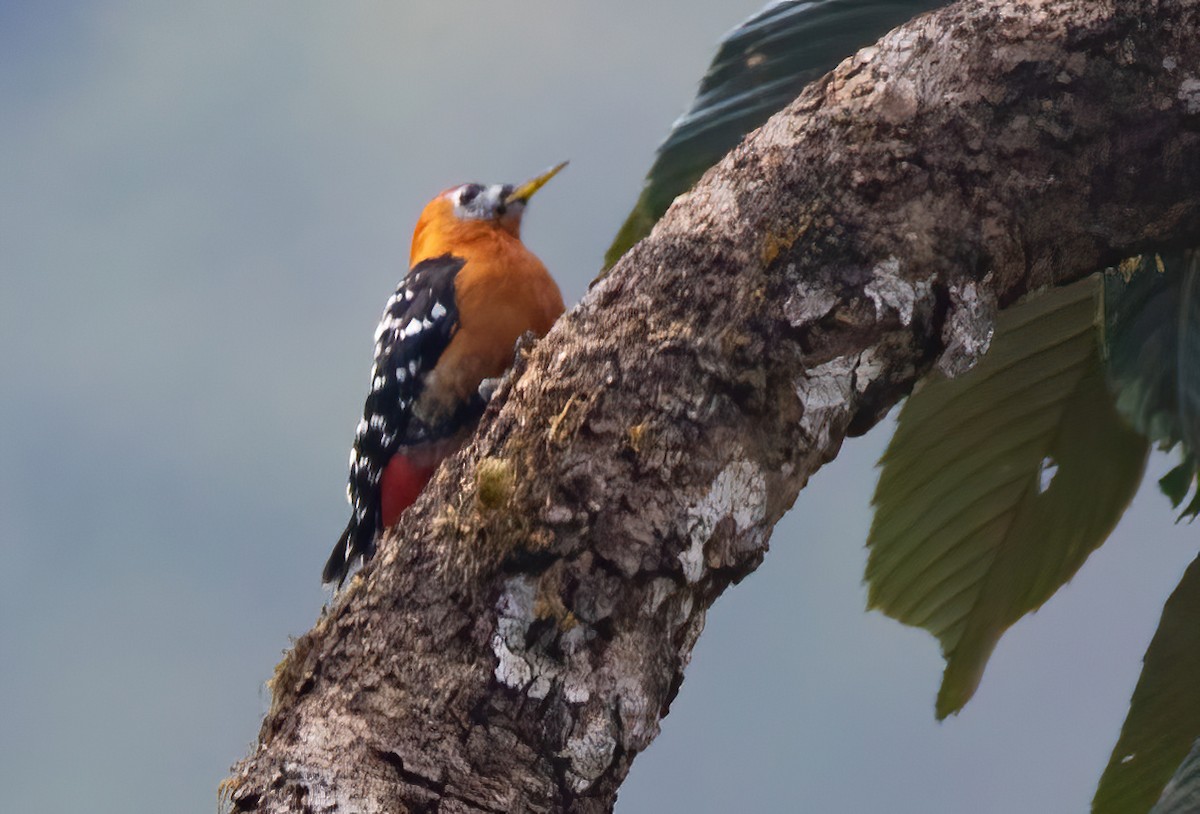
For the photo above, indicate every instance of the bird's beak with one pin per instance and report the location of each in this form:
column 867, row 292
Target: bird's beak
column 525, row 191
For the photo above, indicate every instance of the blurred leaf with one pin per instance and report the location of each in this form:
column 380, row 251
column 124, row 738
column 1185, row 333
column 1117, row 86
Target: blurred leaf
column 1182, row 794
column 998, row 484
column 1152, row 346
column 1188, row 361
column 1191, row 510
column 1164, row 714
column 760, row 66
column 1176, row 483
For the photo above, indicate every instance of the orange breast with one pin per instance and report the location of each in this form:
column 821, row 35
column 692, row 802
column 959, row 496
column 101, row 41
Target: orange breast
column 502, row 291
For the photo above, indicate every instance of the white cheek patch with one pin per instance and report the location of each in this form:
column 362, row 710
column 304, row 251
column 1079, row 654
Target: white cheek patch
column 483, row 206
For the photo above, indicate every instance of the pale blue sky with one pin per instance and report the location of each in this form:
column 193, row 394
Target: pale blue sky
column 202, row 210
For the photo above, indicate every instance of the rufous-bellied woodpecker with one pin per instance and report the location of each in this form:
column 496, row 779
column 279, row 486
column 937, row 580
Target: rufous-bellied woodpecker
column 471, row 291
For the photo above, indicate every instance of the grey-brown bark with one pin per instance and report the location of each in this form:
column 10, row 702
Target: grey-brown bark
column 524, row 629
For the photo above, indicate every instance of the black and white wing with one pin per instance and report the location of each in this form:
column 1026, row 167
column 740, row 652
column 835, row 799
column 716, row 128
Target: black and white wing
column 418, row 323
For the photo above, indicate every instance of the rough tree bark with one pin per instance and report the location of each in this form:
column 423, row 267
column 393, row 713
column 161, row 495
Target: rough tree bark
column 526, row 626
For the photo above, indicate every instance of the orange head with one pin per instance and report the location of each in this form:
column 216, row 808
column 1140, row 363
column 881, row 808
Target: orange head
column 465, row 214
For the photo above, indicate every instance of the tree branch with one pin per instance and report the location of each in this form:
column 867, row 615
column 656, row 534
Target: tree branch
column 525, row 627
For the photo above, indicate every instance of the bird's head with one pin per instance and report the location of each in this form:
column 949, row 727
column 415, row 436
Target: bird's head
column 462, row 212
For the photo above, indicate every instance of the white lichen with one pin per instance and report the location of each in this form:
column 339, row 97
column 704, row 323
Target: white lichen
column 871, row 365
column 515, row 608
column 824, row 390
column 576, row 692
column 692, row 558
column 317, row 734
column 528, row 668
column 739, row 492
column 890, row 291
column 589, row 749
column 807, row 304
column 518, row 667
column 967, row 334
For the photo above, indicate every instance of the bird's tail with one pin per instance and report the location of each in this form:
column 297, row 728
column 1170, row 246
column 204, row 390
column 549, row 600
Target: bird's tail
column 356, row 541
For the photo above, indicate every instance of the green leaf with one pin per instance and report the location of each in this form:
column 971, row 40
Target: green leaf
column 1191, row 510
column 1182, row 794
column 1152, row 344
column 1152, row 349
column 998, row 484
column 1164, row 714
column 1178, row 482
column 760, row 66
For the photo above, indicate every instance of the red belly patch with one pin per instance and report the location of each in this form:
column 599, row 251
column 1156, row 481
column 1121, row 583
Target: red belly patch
column 409, row 470
column 403, row 479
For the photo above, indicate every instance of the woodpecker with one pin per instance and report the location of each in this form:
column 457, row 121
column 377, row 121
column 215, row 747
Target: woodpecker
column 471, row 291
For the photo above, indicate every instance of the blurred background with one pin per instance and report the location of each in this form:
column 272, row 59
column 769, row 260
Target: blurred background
column 202, row 210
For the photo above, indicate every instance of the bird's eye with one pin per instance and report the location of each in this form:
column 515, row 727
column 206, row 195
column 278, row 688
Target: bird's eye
column 468, row 194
